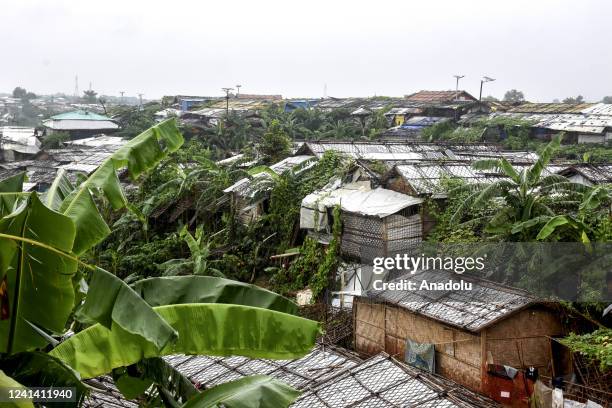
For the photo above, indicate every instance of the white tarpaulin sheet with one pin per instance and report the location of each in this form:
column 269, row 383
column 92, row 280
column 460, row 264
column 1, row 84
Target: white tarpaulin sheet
column 355, row 198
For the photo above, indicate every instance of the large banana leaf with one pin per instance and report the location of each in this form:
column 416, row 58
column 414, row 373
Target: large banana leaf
column 257, row 391
column 37, row 283
column 9, row 193
column 167, row 377
column 211, row 329
column 206, row 289
column 7, row 382
column 60, row 189
column 38, row 369
column 139, row 155
column 110, row 300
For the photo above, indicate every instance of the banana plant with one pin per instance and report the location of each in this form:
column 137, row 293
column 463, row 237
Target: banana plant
column 198, row 263
column 522, row 194
column 41, row 285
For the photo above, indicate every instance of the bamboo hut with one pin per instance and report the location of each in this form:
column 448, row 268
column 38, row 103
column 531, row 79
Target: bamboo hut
column 472, row 331
column 376, row 222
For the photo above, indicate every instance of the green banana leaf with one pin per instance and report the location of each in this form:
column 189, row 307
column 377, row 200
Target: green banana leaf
column 60, row 189
column 8, row 188
column 6, row 382
column 207, row 289
column 257, row 391
column 36, row 282
column 38, row 369
column 167, row 377
column 110, row 300
column 211, row 329
column 130, row 386
column 139, row 155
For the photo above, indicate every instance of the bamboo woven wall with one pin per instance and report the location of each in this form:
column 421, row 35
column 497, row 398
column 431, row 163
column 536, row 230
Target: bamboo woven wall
column 367, row 237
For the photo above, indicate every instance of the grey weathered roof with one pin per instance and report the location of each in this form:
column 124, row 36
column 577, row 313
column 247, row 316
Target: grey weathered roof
column 529, row 107
column 595, row 173
column 594, row 120
column 99, row 141
column 107, row 396
column 427, row 178
column 385, row 382
column 327, row 376
column 71, row 124
column 247, row 188
column 411, row 151
column 471, row 310
column 317, row 366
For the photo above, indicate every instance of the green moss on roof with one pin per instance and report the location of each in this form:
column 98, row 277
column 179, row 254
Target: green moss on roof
column 79, row 115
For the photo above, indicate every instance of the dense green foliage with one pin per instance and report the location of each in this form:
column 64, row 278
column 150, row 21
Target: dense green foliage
column 595, row 346
column 54, row 140
column 275, row 144
column 48, row 289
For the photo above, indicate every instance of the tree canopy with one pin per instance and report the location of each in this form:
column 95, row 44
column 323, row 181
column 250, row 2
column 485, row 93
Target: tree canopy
column 514, row 96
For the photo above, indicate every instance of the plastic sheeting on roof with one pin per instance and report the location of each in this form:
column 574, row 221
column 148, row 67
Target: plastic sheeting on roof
column 356, row 198
column 19, row 139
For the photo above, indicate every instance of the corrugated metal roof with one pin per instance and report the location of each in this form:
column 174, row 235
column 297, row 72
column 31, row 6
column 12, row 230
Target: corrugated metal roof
column 426, row 178
column 109, row 142
column 80, row 115
column 74, row 124
column 595, row 173
column 551, row 108
column 568, row 122
column 471, row 310
column 599, row 109
column 20, row 139
column 415, row 152
column 246, row 188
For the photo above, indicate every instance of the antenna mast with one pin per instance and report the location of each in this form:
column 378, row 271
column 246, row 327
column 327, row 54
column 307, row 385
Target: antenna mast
column 76, row 86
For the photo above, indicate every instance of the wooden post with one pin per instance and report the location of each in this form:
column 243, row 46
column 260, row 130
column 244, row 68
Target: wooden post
column 483, row 361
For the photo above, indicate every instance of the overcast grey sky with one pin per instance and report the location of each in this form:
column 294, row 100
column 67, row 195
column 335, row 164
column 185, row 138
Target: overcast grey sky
column 548, row 49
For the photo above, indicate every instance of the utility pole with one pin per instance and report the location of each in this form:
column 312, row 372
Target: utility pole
column 140, row 99
column 121, row 100
column 76, row 87
column 457, row 77
column 482, row 81
column 238, row 90
column 227, row 92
